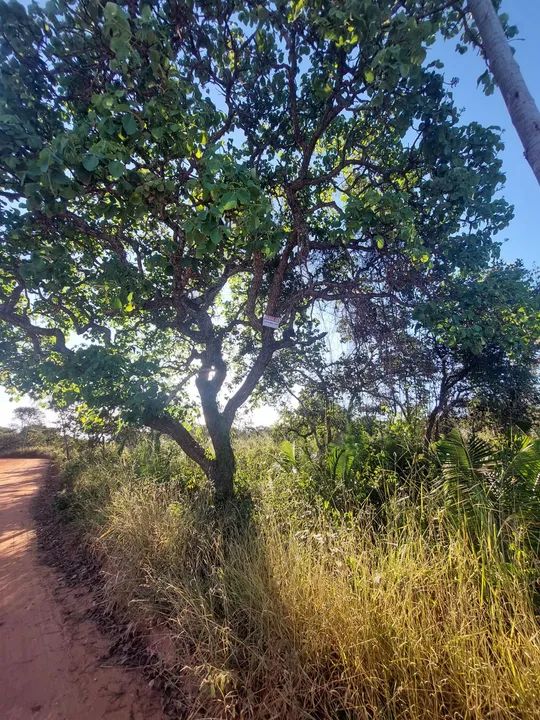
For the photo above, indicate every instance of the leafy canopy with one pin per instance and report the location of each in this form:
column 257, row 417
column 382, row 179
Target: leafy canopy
column 171, row 171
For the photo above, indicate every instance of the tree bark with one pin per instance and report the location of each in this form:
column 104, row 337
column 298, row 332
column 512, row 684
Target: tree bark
column 432, row 426
column 223, row 466
column 523, row 110
column 440, row 409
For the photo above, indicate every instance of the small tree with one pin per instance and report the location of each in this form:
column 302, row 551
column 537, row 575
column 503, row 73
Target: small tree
column 26, row 417
column 175, row 176
column 482, row 331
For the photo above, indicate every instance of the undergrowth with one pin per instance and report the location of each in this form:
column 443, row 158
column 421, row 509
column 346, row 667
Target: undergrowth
column 304, row 612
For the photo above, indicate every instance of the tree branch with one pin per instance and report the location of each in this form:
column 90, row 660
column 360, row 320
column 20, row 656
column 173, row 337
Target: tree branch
column 175, row 430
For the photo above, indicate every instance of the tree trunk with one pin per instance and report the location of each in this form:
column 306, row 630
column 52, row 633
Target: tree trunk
column 175, row 430
column 506, row 71
column 438, row 412
column 220, row 469
column 432, row 426
column 66, row 443
column 223, row 467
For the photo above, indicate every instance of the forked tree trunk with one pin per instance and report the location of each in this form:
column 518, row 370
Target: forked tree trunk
column 506, row 71
column 220, row 469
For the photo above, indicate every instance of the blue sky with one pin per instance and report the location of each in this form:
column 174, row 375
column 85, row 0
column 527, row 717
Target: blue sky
column 521, row 190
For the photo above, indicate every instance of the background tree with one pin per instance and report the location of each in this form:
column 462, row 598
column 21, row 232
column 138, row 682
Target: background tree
column 26, row 415
column 172, row 173
column 468, row 338
column 482, row 329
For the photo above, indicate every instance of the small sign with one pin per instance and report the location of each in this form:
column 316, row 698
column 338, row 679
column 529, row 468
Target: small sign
column 271, row 321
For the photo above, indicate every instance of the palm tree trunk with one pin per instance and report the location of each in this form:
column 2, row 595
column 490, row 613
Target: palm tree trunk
column 506, row 71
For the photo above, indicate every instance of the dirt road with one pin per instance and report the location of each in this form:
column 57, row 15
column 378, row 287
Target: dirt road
column 51, row 665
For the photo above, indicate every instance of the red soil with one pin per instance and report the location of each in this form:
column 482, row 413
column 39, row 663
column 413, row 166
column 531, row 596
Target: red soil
column 52, row 664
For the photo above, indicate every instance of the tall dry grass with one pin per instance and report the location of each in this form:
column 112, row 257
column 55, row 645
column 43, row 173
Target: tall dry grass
column 295, row 619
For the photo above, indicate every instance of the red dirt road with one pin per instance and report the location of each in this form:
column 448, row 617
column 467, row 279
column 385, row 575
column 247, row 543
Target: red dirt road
column 51, row 665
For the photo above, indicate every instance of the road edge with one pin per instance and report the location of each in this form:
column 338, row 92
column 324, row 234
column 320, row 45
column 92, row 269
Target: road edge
column 63, row 547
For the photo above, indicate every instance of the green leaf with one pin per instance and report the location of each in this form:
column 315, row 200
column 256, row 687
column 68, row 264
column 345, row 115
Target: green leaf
column 116, row 169
column 215, row 237
column 243, row 196
column 157, row 132
column 228, row 202
column 90, row 162
column 130, row 124
column 296, row 9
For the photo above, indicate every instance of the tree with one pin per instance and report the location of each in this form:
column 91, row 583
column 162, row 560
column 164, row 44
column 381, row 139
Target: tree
column 499, row 56
column 173, row 174
column 482, row 330
column 26, row 416
column 466, row 338
column 506, row 394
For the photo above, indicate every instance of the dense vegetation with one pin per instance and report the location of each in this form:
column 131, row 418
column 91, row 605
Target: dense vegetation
column 211, row 204
column 386, row 584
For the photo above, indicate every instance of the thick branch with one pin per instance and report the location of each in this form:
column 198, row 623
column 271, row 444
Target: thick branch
column 252, row 378
column 174, row 429
column 34, row 332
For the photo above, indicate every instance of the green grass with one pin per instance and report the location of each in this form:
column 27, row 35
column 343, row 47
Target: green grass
column 317, row 615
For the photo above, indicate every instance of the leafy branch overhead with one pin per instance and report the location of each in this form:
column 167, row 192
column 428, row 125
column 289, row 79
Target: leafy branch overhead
column 174, row 171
